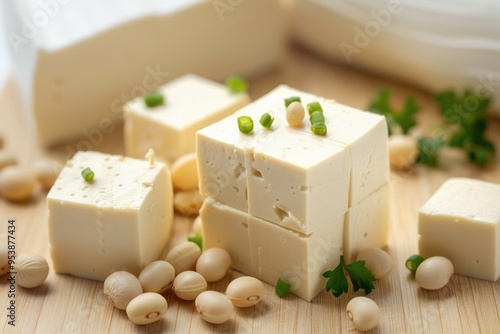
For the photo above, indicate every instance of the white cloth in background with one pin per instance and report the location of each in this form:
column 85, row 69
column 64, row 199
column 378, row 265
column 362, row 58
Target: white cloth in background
column 5, row 61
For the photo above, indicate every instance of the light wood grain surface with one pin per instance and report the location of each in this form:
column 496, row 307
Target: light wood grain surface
column 66, row 304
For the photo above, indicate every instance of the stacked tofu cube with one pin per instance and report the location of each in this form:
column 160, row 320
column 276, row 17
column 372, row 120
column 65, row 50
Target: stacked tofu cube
column 191, row 103
column 286, row 203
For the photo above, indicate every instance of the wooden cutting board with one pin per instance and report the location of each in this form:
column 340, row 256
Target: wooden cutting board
column 65, row 304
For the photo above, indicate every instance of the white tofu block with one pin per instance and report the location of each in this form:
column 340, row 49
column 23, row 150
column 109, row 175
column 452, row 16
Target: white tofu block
column 367, row 223
column 461, row 222
column 298, row 180
column 77, row 62
column 227, row 228
column 273, row 251
column 119, row 221
column 190, row 104
column 223, row 149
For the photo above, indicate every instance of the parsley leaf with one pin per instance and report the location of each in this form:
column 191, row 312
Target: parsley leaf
column 360, row 276
column 466, row 116
column 428, row 149
column 405, row 118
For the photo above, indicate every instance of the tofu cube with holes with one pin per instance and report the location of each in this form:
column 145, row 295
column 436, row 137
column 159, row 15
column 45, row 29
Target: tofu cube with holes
column 461, row 222
column 288, row 175
column 190, row 103
column 267, row 251
column 121, row 220
column 298, row 180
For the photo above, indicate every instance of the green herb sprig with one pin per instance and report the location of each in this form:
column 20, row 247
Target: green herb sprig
column 282, row 288
column 404, row 118
column 360, row 276
column 465, row 115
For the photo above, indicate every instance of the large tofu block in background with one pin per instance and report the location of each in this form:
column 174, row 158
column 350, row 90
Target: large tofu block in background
column 190, row 104
column 461, row 222
column 250, row 171
column 268, row 251
column 367, row 223
column 82, row 59
column 120, row 221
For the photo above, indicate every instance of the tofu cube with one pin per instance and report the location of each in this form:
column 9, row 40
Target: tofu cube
column 367, row 223
column 461, row 222
column 298, row 180
column 190, row 103
column 290, row 176
column 268, row 251
column 119, row 221
column 227, row 228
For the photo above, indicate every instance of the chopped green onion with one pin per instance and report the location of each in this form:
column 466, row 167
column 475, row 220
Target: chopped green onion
column 413, row 262
column 236, row 84
column 197, row 239
column 267, row 120
column 245, row 124
column 317, row 117
column 291, row 99
column 153, row 99
column 282, row 288
column 88, row 174
column 319, row 129
column 314, row 106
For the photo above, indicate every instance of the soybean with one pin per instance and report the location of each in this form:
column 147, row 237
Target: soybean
column 245, row 291
column 295, row 114
column 403, row 151
column 157, row 277
column 189, row 202
column 46, row 172
column 4, row 263
column 185, row 172
column 378, row 261
column 213, row 264
column 434, row 273
column 364, row 313
column 32, row 270
column 7, row 158
column 183, row 256
column 198, row 226
column 121, row 287
column 16, row 183
column 189, row 284
column 147, row 308
column 214, row 307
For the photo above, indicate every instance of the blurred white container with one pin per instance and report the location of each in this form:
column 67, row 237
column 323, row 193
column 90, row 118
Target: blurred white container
column 436, row 45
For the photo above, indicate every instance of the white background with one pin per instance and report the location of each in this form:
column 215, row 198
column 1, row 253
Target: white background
column 4, row 54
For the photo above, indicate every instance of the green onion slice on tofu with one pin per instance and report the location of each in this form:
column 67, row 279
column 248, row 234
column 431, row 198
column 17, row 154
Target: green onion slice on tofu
column 245, row 124
column 319, row 129
column 153, row 99
column 291, row 99
column 314, row 106
column 88, row 174
column 236, row 84
column 266, row 120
